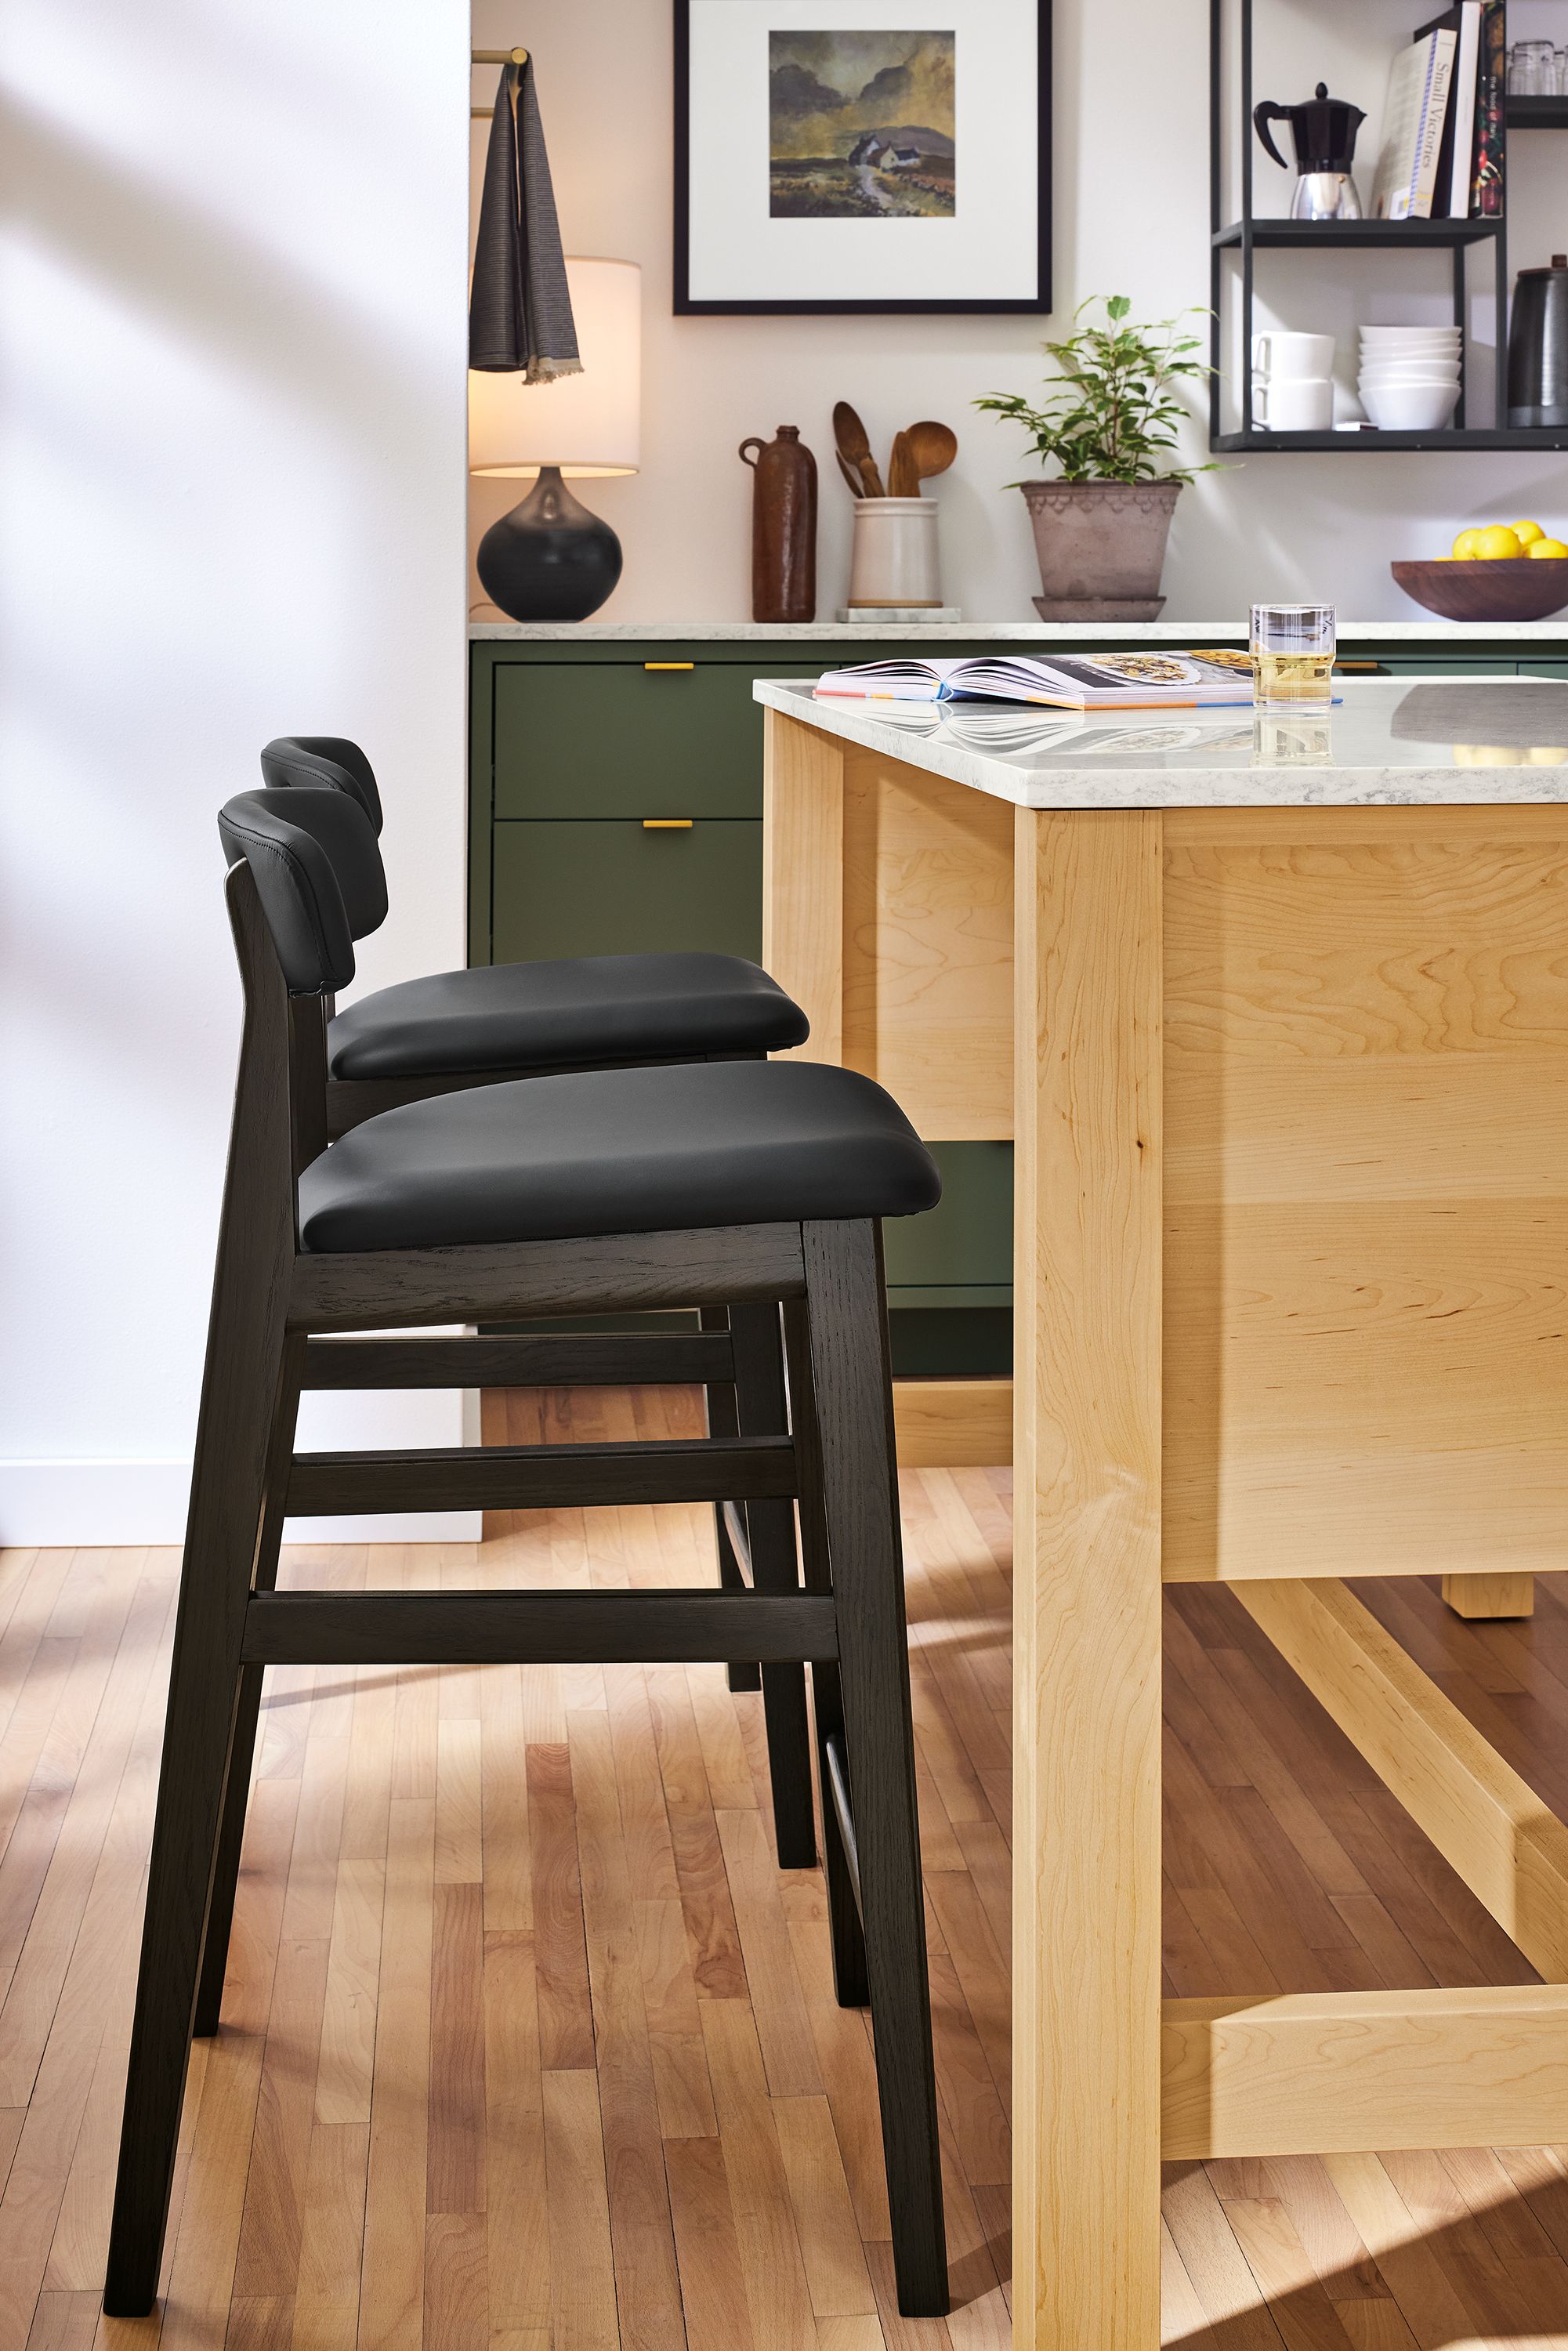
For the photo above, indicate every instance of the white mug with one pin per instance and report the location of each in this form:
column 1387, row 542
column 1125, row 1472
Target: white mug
column 1291, row 404
column 1285, row 355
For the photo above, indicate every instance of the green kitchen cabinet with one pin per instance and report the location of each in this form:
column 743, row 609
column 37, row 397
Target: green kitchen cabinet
column 616, row 806
column 622, row 739
column 608, row 885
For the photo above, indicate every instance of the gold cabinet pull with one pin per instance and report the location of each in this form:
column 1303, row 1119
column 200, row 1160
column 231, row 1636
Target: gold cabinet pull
column 666, row 824
column 669, row 665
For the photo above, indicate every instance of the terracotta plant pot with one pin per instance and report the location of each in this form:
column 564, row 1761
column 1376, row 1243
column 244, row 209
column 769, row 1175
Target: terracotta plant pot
column 1102, row 548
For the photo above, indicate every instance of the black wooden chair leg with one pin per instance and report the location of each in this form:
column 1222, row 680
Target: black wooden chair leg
column 226, row 1503
column 775, row 1567
column 852, row 1396
column 846, row 1936
column 242, row 1746
column 722, row 1422
column 240, row 1394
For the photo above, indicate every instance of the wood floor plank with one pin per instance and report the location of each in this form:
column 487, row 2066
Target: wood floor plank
column 516, row 2208
column 457, row 2288
column 788, row 2054
column 713, row 2291
column 836, row 2275
column 391, row 2300
column 454, row 2177
column 566, row 2015
column 582, row 2267
column 771, row 2266
column 643, row 2240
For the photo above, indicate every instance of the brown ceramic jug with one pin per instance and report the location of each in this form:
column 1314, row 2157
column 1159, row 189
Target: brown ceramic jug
column 783, row 526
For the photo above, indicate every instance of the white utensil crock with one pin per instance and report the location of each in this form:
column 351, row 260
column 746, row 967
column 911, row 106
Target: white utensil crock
column 894, row 560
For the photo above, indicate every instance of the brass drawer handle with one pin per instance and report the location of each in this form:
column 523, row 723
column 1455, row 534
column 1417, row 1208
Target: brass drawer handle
column 669, row 665
column 666, row 824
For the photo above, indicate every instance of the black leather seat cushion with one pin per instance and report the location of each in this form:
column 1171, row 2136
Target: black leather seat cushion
column 620, row 1151
column 529, row 1016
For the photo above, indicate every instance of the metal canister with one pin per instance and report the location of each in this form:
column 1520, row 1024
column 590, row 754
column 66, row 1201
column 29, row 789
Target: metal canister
column 1538, row 345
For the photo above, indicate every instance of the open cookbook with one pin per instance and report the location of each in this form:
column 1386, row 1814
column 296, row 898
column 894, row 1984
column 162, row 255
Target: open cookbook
column 1089, row 681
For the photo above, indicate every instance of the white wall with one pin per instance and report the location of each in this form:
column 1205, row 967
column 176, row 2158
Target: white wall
column 232, row 475
column 1131, row 217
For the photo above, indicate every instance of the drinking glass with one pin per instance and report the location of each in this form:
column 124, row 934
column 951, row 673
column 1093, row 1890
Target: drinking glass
column 1532, row 69
column 1292, row 656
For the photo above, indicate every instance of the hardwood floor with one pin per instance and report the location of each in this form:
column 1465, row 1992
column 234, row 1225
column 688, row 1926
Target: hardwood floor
column 528, row 2045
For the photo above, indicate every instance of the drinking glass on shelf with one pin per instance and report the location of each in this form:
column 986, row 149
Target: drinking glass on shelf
column 1560, row 82
column 1292, row 656
column 1532, row 69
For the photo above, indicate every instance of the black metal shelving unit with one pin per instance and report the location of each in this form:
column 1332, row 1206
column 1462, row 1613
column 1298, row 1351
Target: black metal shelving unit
column 1249, row 235
column 1537, row 113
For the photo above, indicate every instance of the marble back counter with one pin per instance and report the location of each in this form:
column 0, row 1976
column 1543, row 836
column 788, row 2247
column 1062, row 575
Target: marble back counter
column 1422, row 635
column 1387, row 742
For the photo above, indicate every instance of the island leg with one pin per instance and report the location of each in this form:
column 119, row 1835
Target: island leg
column 1086, row 1921
column 1490, row 1595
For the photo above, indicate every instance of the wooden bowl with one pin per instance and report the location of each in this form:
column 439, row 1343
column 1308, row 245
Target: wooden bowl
column 1511, row 589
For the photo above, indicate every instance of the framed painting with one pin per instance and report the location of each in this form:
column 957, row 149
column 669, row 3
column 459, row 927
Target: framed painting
column 862, row 156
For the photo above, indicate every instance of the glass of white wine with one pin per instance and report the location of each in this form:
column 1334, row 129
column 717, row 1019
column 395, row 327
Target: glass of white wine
column 1292, row 656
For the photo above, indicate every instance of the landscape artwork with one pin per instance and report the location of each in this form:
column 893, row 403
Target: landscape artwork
column 860, row 125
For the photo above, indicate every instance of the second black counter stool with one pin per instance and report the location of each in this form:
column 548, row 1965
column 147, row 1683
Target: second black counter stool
column 453, row 1030
column 564, row 1196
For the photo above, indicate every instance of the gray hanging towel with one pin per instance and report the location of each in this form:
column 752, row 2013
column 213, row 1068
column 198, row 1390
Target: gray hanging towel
column 519, row 311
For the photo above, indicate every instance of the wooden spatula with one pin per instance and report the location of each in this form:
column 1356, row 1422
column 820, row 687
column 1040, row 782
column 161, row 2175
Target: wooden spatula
column 903, row 481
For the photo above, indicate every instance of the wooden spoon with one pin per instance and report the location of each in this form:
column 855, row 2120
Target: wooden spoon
column 854, row 448
column 903, row 481
column 932, row 449
column 857, row 487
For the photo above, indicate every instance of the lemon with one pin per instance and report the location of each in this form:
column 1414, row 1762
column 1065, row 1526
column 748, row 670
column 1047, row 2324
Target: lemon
column 1526, row 531
column 1498, row 544
column 1484, row 754
column 1553, row 549
column 1465, row 546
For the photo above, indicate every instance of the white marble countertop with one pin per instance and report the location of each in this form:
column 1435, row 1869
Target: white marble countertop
column 1451, row 635
column 1392, row 741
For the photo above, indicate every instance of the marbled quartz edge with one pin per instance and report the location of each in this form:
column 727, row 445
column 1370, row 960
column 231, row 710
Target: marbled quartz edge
column 1223, row 757
column 1453, row 634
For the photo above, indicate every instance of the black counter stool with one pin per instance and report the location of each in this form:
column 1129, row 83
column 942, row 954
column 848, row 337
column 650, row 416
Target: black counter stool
column 456, row 1029
column 574, row 1195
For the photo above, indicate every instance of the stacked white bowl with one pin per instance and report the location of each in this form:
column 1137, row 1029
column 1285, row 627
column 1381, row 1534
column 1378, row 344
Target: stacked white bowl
column 1409, row 380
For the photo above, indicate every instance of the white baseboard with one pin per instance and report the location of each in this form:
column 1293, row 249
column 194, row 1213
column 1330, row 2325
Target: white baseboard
column 128, row 1503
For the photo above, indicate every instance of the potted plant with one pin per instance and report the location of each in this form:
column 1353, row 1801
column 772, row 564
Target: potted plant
column 1110, row 423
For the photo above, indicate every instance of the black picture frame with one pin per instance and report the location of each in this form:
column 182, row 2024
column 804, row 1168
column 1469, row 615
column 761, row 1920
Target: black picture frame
column 685, row 307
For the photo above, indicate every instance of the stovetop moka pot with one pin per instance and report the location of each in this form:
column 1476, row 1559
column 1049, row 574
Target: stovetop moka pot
column 1538, row 345
column 1323, row 129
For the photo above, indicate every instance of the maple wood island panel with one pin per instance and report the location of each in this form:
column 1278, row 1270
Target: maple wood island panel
column 1277, row 1018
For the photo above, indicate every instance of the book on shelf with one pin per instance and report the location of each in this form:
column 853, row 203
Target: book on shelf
column 1414, row 115
column 1131, row 681
column 1456, row 154
column 1486, row 193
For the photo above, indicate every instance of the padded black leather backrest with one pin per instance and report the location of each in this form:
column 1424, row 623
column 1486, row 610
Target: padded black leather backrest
column 353, row 848
column 298, row 844
column 329, row 759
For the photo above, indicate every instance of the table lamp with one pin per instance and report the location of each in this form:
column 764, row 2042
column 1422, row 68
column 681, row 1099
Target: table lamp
column 551, row 559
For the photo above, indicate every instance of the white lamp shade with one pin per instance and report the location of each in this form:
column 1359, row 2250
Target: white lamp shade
column 587, row 425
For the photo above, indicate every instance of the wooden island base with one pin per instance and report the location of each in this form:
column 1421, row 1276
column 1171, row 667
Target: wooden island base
column 1288, row 1090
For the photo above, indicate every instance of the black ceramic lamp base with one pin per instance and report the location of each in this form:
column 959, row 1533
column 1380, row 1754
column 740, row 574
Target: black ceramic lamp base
column 550, row 559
